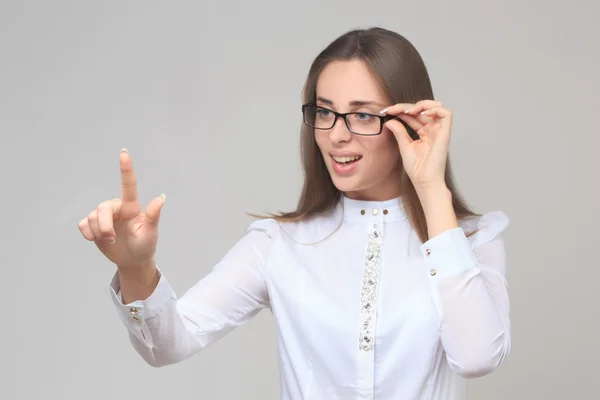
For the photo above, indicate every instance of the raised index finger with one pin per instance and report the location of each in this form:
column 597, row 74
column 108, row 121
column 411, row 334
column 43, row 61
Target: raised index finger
column 128, row 179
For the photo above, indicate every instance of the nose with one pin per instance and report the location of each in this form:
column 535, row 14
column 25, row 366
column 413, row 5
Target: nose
column 339, row 133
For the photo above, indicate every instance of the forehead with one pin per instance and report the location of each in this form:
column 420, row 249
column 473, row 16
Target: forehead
column 346, row 81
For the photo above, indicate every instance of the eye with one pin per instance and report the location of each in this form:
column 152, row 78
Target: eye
column 323, row 113
column 364, row 116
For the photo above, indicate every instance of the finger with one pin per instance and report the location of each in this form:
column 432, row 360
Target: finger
column 86, row 231
column 423, row 105
column 415, row 122
column 93, row 223
column 153, row 210
column 106, row 213
column 400, row 132
column 437, row 112
column 443, row 116
column 397, row 108
column 128, row 179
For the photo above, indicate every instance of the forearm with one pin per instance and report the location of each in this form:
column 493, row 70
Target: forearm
column 475, row 326
column 137, row 282
column 471, row 300
column 157, row 329
column 468, row 288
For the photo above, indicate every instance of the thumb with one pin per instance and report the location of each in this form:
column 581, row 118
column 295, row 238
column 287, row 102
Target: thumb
column 400, row 133
column 153, row 210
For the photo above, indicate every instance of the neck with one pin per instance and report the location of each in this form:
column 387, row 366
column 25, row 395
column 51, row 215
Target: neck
column 372, row 194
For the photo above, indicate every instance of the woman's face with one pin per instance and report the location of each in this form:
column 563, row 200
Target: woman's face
column 363, row 167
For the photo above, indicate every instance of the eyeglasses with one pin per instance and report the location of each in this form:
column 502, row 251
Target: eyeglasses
column 359, row 123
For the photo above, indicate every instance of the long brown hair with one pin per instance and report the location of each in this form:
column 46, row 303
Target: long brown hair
column 403, row 77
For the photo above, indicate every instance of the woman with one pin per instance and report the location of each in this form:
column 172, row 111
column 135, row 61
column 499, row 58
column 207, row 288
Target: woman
column 383, row 284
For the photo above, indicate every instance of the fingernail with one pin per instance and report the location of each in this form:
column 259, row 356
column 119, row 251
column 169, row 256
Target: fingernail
column 383, row 111
column 422, row 113
column 112, row 241
column 164, row 196
column 124, row 150
column 407, row 111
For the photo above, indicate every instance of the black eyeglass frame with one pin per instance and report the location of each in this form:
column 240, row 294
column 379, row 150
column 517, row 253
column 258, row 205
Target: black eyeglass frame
column 382, row 120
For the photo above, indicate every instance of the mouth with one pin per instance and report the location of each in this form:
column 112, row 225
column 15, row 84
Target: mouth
column 346, row 160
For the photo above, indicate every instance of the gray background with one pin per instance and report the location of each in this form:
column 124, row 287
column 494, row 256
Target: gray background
column 184, row 85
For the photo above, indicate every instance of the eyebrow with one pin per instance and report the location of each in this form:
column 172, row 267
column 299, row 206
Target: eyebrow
column 354, row 103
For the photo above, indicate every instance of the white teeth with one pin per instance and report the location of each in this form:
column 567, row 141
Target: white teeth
column 345, row 159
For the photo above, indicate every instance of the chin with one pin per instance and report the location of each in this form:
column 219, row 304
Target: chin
column 347, row 185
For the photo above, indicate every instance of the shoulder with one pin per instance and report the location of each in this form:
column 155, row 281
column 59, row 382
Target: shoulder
column 305, row 231
column 485, row 228
column 267, row 226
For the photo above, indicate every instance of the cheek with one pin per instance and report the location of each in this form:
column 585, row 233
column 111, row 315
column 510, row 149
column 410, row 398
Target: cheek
column 321, row 141
column 383, row 151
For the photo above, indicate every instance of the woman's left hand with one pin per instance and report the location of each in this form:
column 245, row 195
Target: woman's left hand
column 424, row 159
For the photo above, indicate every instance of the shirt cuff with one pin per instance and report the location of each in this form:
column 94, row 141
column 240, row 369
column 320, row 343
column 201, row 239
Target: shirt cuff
column 448, row 254
column 135, row 315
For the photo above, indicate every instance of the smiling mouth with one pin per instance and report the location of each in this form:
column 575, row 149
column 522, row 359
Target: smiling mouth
column 346, row 160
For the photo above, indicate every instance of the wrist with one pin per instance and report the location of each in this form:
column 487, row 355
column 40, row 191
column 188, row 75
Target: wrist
column 138, row 282
column 438, row 209
column 142, row 271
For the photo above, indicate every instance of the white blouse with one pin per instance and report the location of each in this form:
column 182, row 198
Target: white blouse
column 363, row 309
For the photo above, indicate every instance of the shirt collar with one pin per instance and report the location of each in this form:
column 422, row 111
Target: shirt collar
column 318, row 228
column 370, row 211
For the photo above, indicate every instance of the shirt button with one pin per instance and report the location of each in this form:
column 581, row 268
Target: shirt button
column 133, row 310
column 385, row 211
column 433, row 272
column 375, row 211
column 136, row 319
column 428, row 252
column 362, row 212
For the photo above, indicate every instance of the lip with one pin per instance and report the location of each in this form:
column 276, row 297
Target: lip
column 344, row 169
column 343, row 154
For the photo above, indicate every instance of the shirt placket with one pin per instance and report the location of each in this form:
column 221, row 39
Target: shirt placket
column 368, row 310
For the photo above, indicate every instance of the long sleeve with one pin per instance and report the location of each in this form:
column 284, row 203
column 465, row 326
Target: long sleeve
column 469, row 287
column 164, row 329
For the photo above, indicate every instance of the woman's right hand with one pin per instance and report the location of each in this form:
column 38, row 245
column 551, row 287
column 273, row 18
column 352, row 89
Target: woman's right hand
column 125, row 234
